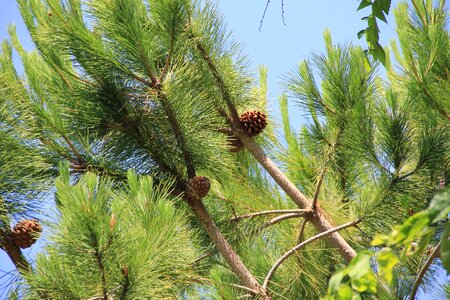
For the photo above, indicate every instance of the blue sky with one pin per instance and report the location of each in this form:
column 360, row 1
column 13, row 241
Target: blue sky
column 279, row 47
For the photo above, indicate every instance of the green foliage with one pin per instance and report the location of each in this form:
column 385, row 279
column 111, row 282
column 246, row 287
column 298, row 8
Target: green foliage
column 407, row 240
column 379, row 8
column 85, row 256
column 150, row 86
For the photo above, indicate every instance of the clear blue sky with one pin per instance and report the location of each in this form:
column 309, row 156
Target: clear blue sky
column 279, row 47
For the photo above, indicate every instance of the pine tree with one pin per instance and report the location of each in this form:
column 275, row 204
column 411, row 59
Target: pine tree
column 142, row 119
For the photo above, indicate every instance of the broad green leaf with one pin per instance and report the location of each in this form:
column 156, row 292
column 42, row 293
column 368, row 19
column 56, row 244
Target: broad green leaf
column 364, row 3
column 387, row 261
column 445, row 248
column 385, row 5
column 410, row 230
column 378, row 53
column 440, row 205
column 345, row 292
column 335, row 281
column 360, row 272
column 378, row 12
column 361, row 33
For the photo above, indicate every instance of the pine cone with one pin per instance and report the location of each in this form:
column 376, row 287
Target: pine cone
column 253, row 122
column 26, row 232
column 234, row 143
column 199, row 187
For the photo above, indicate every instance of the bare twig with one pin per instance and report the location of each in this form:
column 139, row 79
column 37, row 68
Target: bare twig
column 244, row 288
column 278, row 219
column 282, row 12
column 424, row 270
column 264, row 15
column 296, row 248
column 301, row 231
column 98, row 256
column 269, row 212
column 317, row 190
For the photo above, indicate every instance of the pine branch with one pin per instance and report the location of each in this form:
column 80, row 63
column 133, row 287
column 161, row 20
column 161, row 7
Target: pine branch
column 301, row 231
column 13, row 251
column 317, row 190
column 299, row 246
column 219, row 81
column 269, row 212
column 424, row 270
column 278, row 219
column 178, row 135
column 225, row 249
column 8, row 245
column 319, row 220
column 98, row 257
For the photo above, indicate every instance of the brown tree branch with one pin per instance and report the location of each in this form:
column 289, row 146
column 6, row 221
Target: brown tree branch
column 8, row 245
column 225, row 249
column 167, row 106
column 424, row 270
column 317, row 190
column 13, row 251
column 299, row 246
column 301, row 231
column 269, row 212
column 318, row 219
column 278, row 219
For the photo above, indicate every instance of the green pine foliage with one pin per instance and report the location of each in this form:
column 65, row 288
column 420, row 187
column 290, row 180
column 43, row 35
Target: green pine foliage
column 123, row 102
column 85, row 255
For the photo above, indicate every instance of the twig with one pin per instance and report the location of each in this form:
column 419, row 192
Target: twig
column 264, row 15
column 282, row 11
column 244, row 288
column 269, row 212
column 167, row 106
column 317, row 190
column 301, row 231
column 296, row 248
column 278, row 219
column 424, row 270
column 98, row 257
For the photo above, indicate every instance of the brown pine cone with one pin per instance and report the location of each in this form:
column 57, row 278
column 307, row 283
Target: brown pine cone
column 26, row 232
column 199, row 187
column 234, row 143
column 253, row 122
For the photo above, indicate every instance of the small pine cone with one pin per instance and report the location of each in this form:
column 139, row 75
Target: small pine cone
column 235, row 144
column 199, row 187
column 253, row 122
column 26, row 232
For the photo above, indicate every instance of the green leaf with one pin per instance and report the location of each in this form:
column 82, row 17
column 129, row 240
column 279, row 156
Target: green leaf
column 385, row 5
column 445, row 248
column 345, row 292
column 410, row 230
column 360, row 272
column 335, row 281
column 378, row 12
column 386, row 261
column 361, row 33
column 364, row 3
column 440, row 205
column 378, row 53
